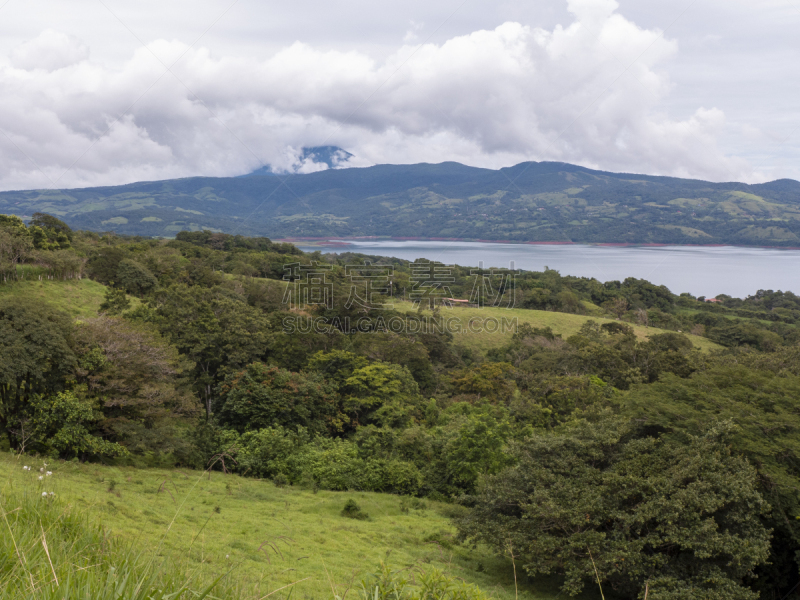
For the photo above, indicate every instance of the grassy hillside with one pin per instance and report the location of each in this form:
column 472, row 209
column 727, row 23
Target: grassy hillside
column 77, row 297
column 549, row 202
column 268, row 536
column 472, row 321
column 82, row 298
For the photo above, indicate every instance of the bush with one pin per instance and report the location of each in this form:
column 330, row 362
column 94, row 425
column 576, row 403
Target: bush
column 335, row 464
column 352, row 510
column 61, row 427
column 266, row 452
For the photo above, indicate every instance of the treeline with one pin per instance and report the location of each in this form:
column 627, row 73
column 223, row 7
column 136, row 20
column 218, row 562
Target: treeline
column 43, row 244
column 644, row 464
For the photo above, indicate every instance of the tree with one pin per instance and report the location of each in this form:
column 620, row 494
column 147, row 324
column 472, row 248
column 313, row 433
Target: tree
column 61, row 422
column 261, row 396
column 336, row 366
column 405, row 350
column 49, row 233
column 136, row 381
column 115, row 301
column 758, row 392
column 103, row 264
column 52, row 225
column 475, row 447
column 492, row 381
column 135, row 278
column 15, row 245
column 618, row 307
column 37, row 357
column 382, row 394
column 568, row 302
column 603, row 501
column 12, row 222
column 215, row 330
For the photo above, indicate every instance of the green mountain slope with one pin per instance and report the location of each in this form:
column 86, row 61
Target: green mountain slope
column 545, row 202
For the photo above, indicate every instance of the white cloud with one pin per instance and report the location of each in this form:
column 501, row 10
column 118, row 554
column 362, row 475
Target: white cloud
column 588, row 93
column 51, row 50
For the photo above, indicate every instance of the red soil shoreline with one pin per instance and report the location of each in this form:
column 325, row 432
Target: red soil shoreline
column 337, row 242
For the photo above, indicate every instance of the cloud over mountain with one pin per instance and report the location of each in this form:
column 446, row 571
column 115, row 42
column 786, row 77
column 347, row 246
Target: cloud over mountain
column 586, row 93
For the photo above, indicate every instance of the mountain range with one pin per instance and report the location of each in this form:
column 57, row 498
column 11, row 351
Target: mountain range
column 529, row 202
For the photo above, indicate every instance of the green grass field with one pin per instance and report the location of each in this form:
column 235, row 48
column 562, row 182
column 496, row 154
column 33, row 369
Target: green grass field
column 475, row 335
column 268, row 536
column 80, row 298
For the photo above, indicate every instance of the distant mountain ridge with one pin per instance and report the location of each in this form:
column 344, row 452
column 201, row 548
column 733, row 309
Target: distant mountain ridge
column 533, row 201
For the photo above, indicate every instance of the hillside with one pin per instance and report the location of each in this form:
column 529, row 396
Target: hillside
column 563, row 324
column 268, row 536
column 543, row 202
column 82, row 298
column 301, row 408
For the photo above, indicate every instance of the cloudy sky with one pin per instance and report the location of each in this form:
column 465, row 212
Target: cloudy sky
column 96, row 92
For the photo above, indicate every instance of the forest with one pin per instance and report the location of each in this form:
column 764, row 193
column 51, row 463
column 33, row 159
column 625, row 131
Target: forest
column 622, row 453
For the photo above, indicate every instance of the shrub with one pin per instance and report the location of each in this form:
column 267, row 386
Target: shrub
column 352, row 510
column 266, row 452
column 335, row 464
column 62, row 423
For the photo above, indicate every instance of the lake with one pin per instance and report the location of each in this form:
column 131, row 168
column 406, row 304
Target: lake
column 699, row 270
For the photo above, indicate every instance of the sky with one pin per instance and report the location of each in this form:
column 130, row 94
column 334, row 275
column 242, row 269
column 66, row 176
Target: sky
column 106, row 92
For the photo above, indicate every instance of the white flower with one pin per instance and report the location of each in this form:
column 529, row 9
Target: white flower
column 40, row 477
column 44, row 494
column 52, row 493
column 49, row 473
column 41, row 470
column 26, row 468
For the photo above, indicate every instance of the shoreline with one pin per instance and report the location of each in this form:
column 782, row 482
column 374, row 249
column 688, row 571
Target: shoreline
column 343, row 242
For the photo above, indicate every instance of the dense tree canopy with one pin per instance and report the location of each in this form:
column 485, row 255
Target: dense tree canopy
column 38, row 354
column 600, row 502
column 261, row 396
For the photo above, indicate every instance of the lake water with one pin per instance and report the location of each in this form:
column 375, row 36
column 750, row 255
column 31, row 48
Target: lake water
column 699, row 270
